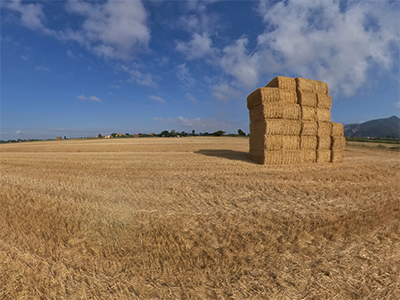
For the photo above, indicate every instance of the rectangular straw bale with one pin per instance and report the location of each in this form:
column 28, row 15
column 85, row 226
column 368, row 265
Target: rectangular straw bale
column 324, row 142
column 323, row 115
column 309, row 156
column 308, row 113
column 307, row 99
column 267, row 143
column 256, row 113
column 337, row 129
column 266, row 95
column 308, row 142
column 280, row 111
column 321, row 87
column 305, row 85
column 281, row 82
column 290, row 142
column 337, row 156
column 291, row 157
column 273, row 158
column 257, row 127
column 324, row 101
column 323, row 156
column 309, row 128
column 291, row 112
column 324, row 128
column 283, row 127
column 259, row 159
column 338, row 142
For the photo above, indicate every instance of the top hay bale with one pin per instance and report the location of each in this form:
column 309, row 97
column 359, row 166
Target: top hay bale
column 311, row 86
column 269, row 95
column 285, row 83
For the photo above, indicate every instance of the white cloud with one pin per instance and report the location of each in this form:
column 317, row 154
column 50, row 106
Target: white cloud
column 157, row 98
column 94, row 98
column 42, row 68
column 397, row 105
column 145, row 79
column 183, row 74
column 81, row 97
column 191, row 98
column 199, row 46
column 316, row 39
column 72, row 55
column 114, row 29
column 224, row 92
column 91, row 98
column 236, row 62
column 18, row 132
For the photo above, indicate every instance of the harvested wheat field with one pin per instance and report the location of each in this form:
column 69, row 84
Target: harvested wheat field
column 194, row 218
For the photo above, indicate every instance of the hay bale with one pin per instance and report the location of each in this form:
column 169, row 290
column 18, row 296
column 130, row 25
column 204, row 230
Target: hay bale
column 309, row 128
column 285, row 83
column 282, row 127
column 281, row 111
column 321, row 87
column 324, row 101
column 291, row 157
column 337, row 156
column 259, row 159
column 323, row 115
column 337, row 129
column 308, row 113
column 309, row 156
column 267, row 143
column 324, row 128
column 273, row 157
column 324, row 142
column 267, row 95
column 290, row 142
column 338, row 143
column 323, row 156
column 308, row 142
column 305, row 85
column 307, row 99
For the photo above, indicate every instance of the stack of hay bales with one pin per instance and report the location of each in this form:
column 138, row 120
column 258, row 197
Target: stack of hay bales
column 290, row 123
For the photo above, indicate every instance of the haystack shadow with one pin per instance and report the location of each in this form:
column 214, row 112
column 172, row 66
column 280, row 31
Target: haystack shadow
column 229, row 154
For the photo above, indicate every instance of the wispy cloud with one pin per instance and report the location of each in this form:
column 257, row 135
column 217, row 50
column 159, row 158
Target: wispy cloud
column 42, row 69
column 183, row 74
column 91, row 98
column 191, row 98
column 157, row 98
column 397, row 105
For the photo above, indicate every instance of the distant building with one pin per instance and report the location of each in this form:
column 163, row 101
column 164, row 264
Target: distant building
column 108, row 136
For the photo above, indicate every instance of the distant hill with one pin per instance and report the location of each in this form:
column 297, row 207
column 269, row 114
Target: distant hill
column 384, row 128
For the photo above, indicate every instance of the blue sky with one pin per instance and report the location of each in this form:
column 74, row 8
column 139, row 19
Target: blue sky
column 77, row 68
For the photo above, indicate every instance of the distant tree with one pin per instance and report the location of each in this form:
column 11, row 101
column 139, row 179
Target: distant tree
column 218, row 133
column 114, row 134
column 100, row 136
column 172, row 133
column 165, row 133
column 193, row 132
column 241, row 132
column 127, row 134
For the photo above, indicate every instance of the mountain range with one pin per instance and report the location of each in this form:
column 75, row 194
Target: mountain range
column 383, row 128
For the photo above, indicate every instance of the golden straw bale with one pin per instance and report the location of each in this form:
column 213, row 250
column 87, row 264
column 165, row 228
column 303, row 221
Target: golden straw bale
column 281, row 82
column 323, row 156
column 321, row 87
column 291, row 157
column 266, row 95
column 277, row 111
column 308, row 142
column 324, row 128
column 323, row 115
column 267, row 142
column 305, row 85
column 259, row 159
column 273, row 157
column 324, row 101
column 309, row 128
column 308, row 113
column 290, row 142
column 338, row 142
column 256, row 113
column 283, row 127
column 337, row 156
column 307, row 99
column 324, row 142
column 337, row 129
column 309, row 156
